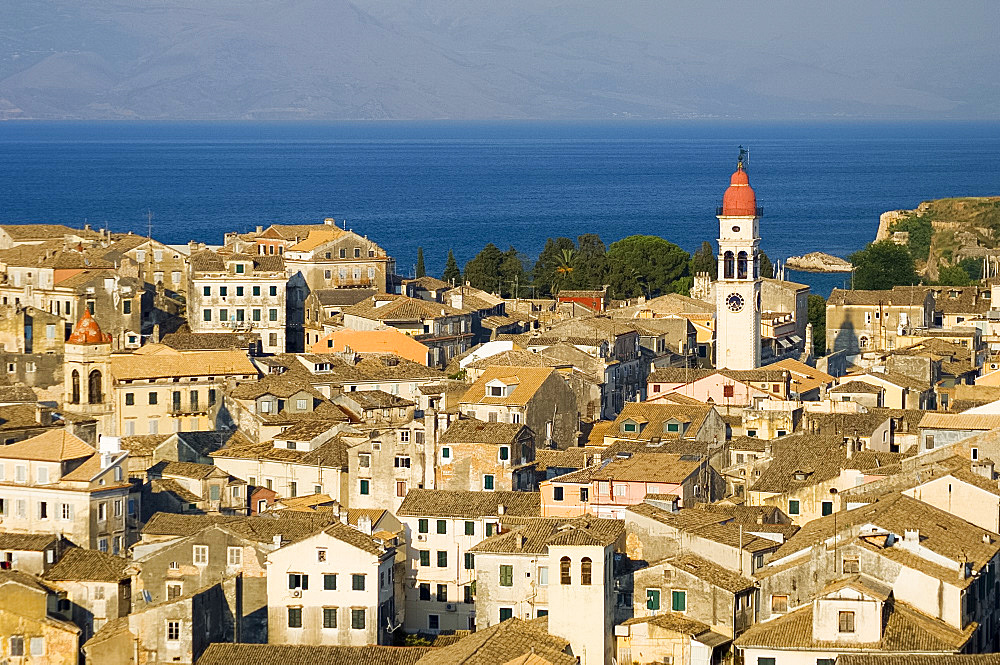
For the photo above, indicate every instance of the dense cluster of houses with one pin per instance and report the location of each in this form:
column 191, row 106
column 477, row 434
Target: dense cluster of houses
column 278, row 450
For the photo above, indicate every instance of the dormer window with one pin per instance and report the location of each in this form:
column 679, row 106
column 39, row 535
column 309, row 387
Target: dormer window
column 500, row 388
column 240, row 268
column 630, row 426
column 800, row 475
column 496, row 391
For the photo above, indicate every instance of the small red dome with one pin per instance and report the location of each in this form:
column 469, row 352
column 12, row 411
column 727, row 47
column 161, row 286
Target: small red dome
column 87, row 331
column 739, row 200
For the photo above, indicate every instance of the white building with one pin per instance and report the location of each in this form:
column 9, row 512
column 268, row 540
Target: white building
column 335, row 587
column 738, row 287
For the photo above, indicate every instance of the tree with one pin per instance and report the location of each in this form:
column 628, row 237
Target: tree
column 973, row 268
column 703, row 260
column 512, row 272
column 953, row 276
column 564, row 269
column 421, row 270
column 591, row 266
column 882, row 265
column 766, row 267
column 817, row 317
column 545, row 275
column 452, row 275
column 646, row 265
column 483, row 271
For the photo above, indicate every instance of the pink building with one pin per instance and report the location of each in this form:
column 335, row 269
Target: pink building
column 724, row 387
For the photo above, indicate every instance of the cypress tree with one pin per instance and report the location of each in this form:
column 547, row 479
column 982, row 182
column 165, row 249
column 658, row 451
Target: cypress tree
column 421, row 270
column 451, row 272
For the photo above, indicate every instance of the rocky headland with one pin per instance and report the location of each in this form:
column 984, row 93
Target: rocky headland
column 818, row 262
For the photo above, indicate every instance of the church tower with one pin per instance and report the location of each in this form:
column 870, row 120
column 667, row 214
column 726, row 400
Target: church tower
column 87, row 375
column 737, row 291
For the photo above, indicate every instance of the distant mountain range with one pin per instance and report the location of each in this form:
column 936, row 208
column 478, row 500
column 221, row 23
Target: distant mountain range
column 479, row 59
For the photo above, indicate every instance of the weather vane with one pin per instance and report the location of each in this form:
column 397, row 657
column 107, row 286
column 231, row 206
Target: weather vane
column 744, row 153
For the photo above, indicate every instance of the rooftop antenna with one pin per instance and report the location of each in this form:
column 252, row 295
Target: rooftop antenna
column 149, row 223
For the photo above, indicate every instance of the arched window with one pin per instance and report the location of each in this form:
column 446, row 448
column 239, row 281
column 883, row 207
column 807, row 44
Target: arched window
column 94, row 393
column 863, row 342
column 728, row 265
column 756, row 266
column 741, row 265
column 564, row 577
column 585, row 569
column 75, row 388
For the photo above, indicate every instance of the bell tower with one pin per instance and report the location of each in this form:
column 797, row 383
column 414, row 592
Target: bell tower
column 737, row 291
column 87, row 373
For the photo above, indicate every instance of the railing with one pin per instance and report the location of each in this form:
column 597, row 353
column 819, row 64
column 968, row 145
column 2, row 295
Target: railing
column 758, row 212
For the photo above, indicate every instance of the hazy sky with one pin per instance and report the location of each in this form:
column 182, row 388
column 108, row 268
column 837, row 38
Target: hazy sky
column 478, row 59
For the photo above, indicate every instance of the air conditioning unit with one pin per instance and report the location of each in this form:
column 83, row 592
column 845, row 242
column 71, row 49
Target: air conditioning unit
column 421, row 537
column 450, row 607
column 296, row 593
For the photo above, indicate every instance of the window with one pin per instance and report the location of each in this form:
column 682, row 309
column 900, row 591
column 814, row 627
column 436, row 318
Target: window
column 506, row 613
column 586, row 568
column 329, row 617
column 765, row 660
column 126, row 307
column 564, row 576
column 470, row 561
column 673, row 427
column 174, row 590
column 330, row 582
column 67, row 511
column 365, row 461
column 272, row 290
column 827, row 508
column 846, row 622
column 584, row 494
column 433, row 621
column 652, row 599
column 793, row 507
column 102, row 511
column 43, row 475
column 488, row 481
column 364, row 487
column 152, row 398
column 358, row 582
column 425, row 557
column 442, row 526
column 850, row 565
column 200, row 555
column 629, row 427
column 223, row 291
column 298, row 581
column 506, row 575
column 543, row 575
column 425, row 591
column 446, row 453
column 234, row 556
column 779, row 604
column 206, row 290
column 294, row 617
column 557, row 493
column 422, row 525
column 293, row 488
column 678, row 601
column 468, row 596
column 442, row 593
column 728, row 391
column 402, row 462
column 404, row 435
column 239, row 290
column 272, row 314
column 470, row 528
column 442, row 558
column 173, row 630
column 358, row 619
column 129, row 399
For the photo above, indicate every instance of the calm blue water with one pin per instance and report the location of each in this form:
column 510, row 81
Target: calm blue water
column 459, row 186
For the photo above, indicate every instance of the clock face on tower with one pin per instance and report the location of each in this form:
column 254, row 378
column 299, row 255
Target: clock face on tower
column 734, row 302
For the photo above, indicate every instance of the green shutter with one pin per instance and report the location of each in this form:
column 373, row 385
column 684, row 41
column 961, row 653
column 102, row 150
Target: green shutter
column 652, row 599
column 678, row 601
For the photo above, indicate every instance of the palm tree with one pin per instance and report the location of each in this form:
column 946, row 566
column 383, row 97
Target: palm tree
column 564, row 267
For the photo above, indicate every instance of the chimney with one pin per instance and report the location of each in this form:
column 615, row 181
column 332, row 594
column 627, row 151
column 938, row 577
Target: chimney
column 277, row 540
column 330, row 221
column 500, row 509
column 457, row 300
column 596, row 459
column 521, row 540
column 260, row 229
column 43, row 414
column 365, row 524
column 911, row 536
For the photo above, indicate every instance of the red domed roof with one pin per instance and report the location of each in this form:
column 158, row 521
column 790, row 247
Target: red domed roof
column 739, row 200
column 87, row 331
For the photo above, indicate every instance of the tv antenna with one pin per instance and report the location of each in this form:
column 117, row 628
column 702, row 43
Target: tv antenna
column 149, row 224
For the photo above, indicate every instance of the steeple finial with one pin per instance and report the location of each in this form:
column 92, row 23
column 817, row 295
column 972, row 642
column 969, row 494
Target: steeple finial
column 743, row 154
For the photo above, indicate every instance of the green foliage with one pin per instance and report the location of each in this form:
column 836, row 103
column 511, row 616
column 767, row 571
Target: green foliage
column 546, row 275
column 920, row 231
column 415, row 640
column 703, row 260
column 817, row 317
column 452, row 274
column 973, row 267
column 421, row 269
column 512, row 273
column 953, row 276
column 883, row 265
column 483, row 271
column 766, row 267
column 646, row 265
column 591, row 268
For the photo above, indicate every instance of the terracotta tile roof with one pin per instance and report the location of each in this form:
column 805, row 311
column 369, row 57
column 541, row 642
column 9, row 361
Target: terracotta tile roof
column 27, row 232
column 570, row 458
column 56, row 445
column 18, row 393
column 353, row 537
column 906, row 629
column 155, row 361
column 210, row 341
column 533, row 535
column 960, row 421
column 278, row 385
column 429, row 283
column 290, row 525
column 686, row 375
column 185, row 469
column 18, row 416
column 804, row 377
column 528, row 380
column 672, row 621
column 26, row 542
column 861, row 424
column 654, row 418
column 389, row 307
column 307, row 430
column 24, row 579
column 377, row 399
column 717, row 528
column 343, row 297
column 171, row 486
column 899, row 296
column 803, row 460
column 142, row 445
column 288, row 654
column 470, row 430
column 501, row 643
column 918, row 659
column 332, row 454
column 649, row 467
column 858, row 387
column 712, row 573
column 458, row 503
column 940, row 532
column 207, row 441
column 512, row 358
column 80, row 564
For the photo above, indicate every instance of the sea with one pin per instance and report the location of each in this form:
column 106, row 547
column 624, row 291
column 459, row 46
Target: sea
column 459, row 185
